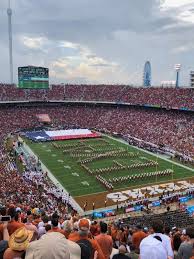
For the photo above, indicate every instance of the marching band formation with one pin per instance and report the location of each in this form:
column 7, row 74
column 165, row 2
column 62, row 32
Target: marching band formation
column 108, row 184
column 110, row 152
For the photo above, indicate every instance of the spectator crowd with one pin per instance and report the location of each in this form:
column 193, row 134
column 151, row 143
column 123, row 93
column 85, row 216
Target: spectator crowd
column 31, row 234
column 176, row 98
column 169, row 129
column 40, row 220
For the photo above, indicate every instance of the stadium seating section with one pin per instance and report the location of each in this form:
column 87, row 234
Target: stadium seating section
column 182, row 98
column 37, row 205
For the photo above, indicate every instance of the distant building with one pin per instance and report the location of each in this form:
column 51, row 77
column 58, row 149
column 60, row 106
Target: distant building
column 192, row 79
column 147, row 72
column 177, row 68
column 168, row 83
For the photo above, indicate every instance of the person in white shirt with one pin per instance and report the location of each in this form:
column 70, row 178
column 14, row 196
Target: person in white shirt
column 156, row 239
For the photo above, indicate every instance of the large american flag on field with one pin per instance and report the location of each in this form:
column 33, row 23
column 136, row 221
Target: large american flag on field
column 43, row 135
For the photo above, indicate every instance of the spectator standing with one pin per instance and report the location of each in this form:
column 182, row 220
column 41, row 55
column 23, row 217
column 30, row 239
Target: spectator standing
column 42, row 225
column 18, row 243
column 133, row 254
column 54, row 224
column 53, row 245
column 138, row 236
column 121, row 254
column 14, row 224
column 30, row 226
column 186, row 248
column 82, row 237
column 151, row 247
column 157, row 233
column 5, row 239
column 105, row 241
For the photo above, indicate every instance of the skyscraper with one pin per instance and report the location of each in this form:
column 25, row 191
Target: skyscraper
column 147, row 74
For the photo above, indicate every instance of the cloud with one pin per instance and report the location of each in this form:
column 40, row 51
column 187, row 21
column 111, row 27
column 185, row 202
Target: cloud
column 166, row 4
column 99, row 41
column 185, row 48
column 33, row 43
column 182, row 9
column 67, row 44
column 85, row 66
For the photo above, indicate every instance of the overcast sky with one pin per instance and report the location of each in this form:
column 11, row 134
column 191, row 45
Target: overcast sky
column 100, row 41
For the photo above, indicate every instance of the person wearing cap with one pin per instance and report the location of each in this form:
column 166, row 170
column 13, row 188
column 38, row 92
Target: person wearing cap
column 18, row 243
column 186, row 248
column 138, row 236
column 83, row 232
column 53, row 245
column 105, row 241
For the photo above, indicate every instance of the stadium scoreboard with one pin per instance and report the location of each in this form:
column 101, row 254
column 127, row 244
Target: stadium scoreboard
column 33, row 77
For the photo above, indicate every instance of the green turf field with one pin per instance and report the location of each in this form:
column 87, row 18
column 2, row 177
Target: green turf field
column 62, row 161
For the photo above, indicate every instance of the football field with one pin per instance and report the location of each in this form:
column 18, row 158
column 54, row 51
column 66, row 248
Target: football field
column 77, row 165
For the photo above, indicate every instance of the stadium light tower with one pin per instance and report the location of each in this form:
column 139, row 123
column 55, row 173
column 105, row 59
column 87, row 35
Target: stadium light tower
column 177, row 67
column 9, row 14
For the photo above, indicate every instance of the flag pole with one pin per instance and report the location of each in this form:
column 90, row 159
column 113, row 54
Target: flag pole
column 156, row 168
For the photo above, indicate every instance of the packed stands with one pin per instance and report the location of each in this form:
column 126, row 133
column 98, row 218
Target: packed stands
column 32, row 188
column 109, row 93
column 158, row 96
column 12, row 93
column 170, row 129
column 41, row 213
column 176, row 98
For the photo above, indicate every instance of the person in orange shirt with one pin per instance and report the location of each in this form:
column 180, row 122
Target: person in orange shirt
column 138, row 236
column 114, row 231
column 94, row 229
column 14, row 224
column 55, row 228
column 83, row 231
column 37, row 220
column 123, row 236
column 74, row 232
column 105, row 241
